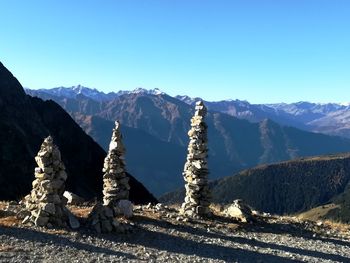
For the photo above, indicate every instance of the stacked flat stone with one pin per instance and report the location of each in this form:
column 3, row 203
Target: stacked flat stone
column 115, row 181
column 115, row 190
column 195, row 173
column 46, row 204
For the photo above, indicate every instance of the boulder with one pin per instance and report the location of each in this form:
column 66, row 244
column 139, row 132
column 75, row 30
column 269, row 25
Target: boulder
column 240, row 211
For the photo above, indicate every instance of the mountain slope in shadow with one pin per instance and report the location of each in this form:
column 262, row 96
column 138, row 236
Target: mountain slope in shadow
column 24, row 123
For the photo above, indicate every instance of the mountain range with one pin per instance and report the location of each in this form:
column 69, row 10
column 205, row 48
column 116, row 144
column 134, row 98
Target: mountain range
column 155, row 125
column 24, row 123
column 94, row 94
column 327, row 118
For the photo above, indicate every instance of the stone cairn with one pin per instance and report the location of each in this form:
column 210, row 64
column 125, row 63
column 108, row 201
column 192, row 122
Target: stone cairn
column 115, row 181
column 45, row 205
column 115, row 189
column 195, row 173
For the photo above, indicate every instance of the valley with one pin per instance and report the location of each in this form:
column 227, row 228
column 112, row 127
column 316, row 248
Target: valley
column 156, row 124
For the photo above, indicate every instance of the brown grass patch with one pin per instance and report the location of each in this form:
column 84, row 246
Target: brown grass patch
column 146, row 214
column 10, row 221
column 317, row 213
column 57, row 231
column 81, row 212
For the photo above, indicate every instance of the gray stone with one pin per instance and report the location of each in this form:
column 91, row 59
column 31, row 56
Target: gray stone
column 97, row 228
column 41, row 220
column 126, row 208
column 108, row 212
column 106, row 226
column 49, row 208
column 73, row 221
column 240, row 211
column 62, row 175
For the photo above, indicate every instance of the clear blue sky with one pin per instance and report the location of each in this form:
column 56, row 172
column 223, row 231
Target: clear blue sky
column 261, row 51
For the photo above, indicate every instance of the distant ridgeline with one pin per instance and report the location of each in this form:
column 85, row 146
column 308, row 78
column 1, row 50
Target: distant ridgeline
column 284, row 188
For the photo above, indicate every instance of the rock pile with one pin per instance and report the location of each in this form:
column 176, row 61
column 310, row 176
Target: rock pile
column 102, row 219
column 45, row 205
column 195, row 173
column 115, row 181
column 115, row 189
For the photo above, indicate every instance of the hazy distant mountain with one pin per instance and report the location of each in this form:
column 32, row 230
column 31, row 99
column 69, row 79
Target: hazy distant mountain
column 329, row 118
column 234, row 143
column 337, row 122
column 24, row 123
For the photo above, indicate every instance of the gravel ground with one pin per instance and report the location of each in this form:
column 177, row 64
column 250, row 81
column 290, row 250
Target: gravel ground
column 158, row 236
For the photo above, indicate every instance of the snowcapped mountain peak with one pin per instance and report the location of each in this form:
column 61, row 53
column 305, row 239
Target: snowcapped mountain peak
column 94, row 94
column 73, row 91
column 79, row 89
column 155, row 91
column 187, row 99
column 139, row 90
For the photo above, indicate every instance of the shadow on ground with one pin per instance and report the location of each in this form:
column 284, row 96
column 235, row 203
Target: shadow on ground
column 215, row 251
column 58, row 240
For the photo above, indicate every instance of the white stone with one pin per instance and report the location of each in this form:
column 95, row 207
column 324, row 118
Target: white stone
column 73, row 199
column 113, row 145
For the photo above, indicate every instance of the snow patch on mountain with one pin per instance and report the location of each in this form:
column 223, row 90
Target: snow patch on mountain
column 92, row 93
column 155, row 91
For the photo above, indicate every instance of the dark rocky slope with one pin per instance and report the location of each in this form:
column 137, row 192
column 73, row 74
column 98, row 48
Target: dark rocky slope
column 24, row 122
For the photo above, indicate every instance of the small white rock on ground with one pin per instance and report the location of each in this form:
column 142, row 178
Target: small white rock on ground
column 169, row 240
